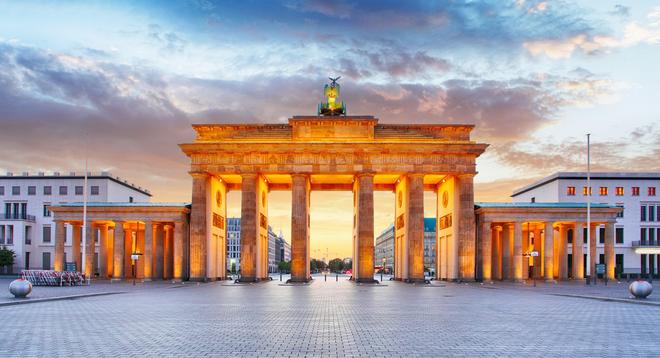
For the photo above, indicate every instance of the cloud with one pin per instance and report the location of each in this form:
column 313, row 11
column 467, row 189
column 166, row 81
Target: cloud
column 635, row 151
column 339, row 9
column 632, row 34
column 621, row 11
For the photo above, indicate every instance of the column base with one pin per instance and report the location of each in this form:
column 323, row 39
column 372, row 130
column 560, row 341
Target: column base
column 417, row 280
column 177, row 280
column 366, row 280
column 551, row 281
column 146, row 280
column 116, row 279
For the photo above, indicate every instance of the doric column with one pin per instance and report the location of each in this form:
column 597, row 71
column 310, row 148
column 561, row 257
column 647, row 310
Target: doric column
column 538, row 260
column 548, row 251
column 60, row 236
column 128, row 250
column 160, row 258
column 89, row 250
column 593, row 253
column 563, row 252
column 486, row 251
column 364, row 228
column 147, row 256
column 497, row 253
column 466, row 229
column 198, row 226
column 75, row 246
column 507, row 251
column 300, row 246
column 178, row 251
column 525, row 250
column 103, row 250
column 254, row 228
column 167, row 252
column 118, row 264
column 517, row 252
column 577, row 251
column 609, row 250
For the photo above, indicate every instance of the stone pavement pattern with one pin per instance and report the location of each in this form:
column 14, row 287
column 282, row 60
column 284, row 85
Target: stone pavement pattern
column 330, row 319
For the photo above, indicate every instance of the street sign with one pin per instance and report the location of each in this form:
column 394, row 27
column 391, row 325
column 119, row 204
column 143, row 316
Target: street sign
column 600, row 268
column 70, row 267
column 534, row 253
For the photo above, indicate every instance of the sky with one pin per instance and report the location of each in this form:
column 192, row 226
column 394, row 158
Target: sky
column 125, row 79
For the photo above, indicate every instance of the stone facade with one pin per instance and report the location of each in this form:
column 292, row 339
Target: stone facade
column 353, row 153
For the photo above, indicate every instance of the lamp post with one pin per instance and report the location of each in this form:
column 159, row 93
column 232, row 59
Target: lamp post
column 134, row 258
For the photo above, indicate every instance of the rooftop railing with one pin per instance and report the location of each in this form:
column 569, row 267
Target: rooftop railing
column 646, row 243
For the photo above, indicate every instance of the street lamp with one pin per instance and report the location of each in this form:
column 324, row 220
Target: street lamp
column 134, row 258
column 381, row 270
column 534, row 254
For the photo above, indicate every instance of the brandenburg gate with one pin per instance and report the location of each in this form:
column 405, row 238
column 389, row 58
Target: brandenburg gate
column 352, row 153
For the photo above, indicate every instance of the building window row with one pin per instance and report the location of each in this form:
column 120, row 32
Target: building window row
column 6, row 234
column 649, row 213
column 649, row 234
column 604, row 191
column 48, row 190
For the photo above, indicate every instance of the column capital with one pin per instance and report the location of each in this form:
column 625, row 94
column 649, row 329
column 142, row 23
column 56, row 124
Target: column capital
column 364, row 174
column 300, row 175
column 465, row 175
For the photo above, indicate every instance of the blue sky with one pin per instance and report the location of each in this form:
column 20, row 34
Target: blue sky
column 534, row 76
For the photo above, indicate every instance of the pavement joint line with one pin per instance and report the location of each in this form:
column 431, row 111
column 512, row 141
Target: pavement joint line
column 58, row 298
column 608, row 299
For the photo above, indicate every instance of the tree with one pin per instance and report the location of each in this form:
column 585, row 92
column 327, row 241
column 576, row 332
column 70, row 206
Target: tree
column 348, row 265
column 284, row 266
column 336, row 265
column 7, row 257
column 317, row 265
column 233, row 267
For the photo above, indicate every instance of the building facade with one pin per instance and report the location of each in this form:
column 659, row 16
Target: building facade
column 277, row 247
column 384, row 249
column 637, row 228
column 26, row 224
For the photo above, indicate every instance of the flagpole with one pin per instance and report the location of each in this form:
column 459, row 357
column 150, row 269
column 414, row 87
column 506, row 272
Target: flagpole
column 84, row 226
column 591, row 259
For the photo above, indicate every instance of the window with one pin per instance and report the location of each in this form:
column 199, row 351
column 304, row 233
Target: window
column 642, row 234
column 601, row 231
column 651, row 191
column 130, row 199
column 651, row 213
column 620, row 213
column 95, row 190
column 651, row 235
column 63, row 190
column 642, row 213
column 603, row 191
column 635, row 191
column 619, row 235
column 569, row 236
column 584, row 191
column 79, row 190
column 9, row 235
column 619, row 191
column 2, row 234
column 15, row 190
column 533, row 199
column 2, row 190
column 32, row 190
column 570, row 191
column 657, row 211
column 48, row 190
column 47, row 210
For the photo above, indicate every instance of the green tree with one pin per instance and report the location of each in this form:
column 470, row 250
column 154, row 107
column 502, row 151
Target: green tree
column 317, row 265
column 336, row 265
column 7, row 257
column 348, row 265
column 233, row 267
column 284, row 266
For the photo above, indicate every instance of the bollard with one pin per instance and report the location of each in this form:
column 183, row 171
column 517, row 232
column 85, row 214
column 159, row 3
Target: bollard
column 325, row 278
column 280, row 276
column 337, row 278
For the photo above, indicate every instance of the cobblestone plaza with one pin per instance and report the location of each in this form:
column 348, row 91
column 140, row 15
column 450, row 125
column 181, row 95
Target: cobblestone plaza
column 333, row 318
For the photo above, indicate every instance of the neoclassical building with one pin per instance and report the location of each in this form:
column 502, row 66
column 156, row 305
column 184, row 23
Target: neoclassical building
column 351, row 153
